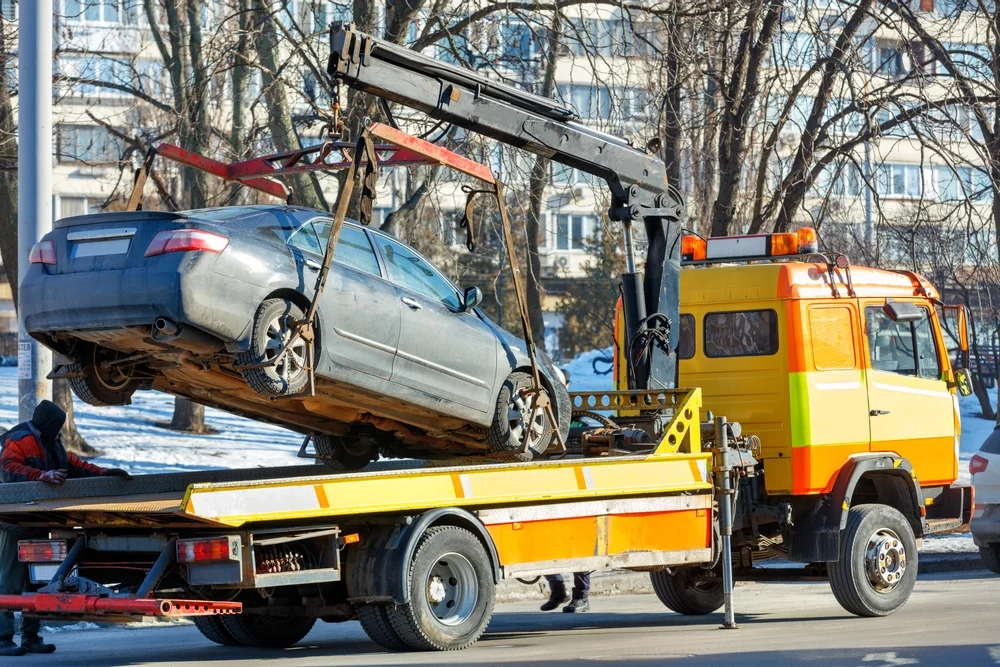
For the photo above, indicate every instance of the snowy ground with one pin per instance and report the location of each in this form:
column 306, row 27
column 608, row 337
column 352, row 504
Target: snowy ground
column 129, row 438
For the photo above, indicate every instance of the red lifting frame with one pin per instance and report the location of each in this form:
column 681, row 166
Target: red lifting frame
column 401, row 149
column 77, row 604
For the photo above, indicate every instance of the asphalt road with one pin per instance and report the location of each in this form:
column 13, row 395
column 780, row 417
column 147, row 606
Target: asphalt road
column 950, row 620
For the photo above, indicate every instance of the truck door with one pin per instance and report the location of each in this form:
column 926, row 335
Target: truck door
column 911, row 409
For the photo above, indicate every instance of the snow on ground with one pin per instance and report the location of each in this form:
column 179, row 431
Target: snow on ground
column 129, row 438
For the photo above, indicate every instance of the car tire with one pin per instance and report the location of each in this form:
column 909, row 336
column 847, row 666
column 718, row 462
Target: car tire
column 449, row 562
column 504, row 437
column 338, row 454
column 878, row 561
column 991, row 556
column 267, row 631
column 680, row 592
column 98, row 386
column 272, row 327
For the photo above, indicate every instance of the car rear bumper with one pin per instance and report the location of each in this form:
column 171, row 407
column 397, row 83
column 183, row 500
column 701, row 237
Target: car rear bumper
column 120, row 298
column 985, row 524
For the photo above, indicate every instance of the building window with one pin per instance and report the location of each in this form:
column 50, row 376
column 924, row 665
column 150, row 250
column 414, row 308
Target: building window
column 903, row 181
column 890, row 60
column 741, row 333
column 573, row 232
column 589, row 102
column 88, row 143
column 102, row 11
column 796, row 49
column 8, row 9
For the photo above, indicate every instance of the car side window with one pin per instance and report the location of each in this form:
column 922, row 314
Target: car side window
column 409, row 270
column 353, row 247
column 904, row 348
column 304, row 238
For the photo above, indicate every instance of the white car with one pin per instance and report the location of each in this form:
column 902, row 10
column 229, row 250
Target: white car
column 985, row 524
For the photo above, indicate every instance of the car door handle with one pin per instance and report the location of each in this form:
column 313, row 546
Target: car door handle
column 412, row 303
column 878, row 413
column 313, row 265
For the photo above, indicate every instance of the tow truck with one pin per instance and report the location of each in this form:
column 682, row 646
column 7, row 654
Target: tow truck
column 414, row 550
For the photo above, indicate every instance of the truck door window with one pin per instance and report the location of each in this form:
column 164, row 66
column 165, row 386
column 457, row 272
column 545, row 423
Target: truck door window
column 685, row 343
column 904, row 348
column 741, row 333
column 831, row 333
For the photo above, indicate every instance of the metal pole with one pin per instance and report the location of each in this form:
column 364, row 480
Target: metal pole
column 724, row 489
column 34, row 183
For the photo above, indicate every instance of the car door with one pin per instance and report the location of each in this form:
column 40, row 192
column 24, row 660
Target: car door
column 911, row 408
column 443, row 350
column 359, row 309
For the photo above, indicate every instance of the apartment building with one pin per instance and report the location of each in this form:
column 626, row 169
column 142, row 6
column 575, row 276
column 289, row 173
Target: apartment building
column 606, row 71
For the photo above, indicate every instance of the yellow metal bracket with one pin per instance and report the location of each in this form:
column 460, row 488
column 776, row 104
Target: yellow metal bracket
column 684, row 427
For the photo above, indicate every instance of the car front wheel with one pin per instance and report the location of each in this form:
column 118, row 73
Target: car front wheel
column 273, row 328
column 511, row 429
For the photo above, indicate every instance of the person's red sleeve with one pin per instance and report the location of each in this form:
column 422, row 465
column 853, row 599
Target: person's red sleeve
column 13, row 462
column 80, row 468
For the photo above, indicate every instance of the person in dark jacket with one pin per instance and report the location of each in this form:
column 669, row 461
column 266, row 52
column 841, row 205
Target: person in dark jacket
column 33, row 452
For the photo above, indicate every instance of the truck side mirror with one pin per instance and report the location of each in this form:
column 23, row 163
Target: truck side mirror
column 903, row 311
column 963, row 381
column 473, row 297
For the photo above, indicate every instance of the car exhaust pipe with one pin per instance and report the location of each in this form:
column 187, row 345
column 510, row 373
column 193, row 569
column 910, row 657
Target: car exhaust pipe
column 187, row 338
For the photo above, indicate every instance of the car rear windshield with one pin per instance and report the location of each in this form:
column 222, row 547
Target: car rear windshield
column 992, row 444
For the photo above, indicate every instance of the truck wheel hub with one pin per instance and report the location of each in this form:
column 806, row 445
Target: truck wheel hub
column 885, row 560
column 452, row 589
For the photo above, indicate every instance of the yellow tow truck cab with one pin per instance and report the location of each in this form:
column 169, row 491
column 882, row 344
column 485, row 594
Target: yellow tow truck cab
column 841, row 372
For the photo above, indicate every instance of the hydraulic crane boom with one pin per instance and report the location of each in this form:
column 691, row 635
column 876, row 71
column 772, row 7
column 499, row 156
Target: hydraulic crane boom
column 637, row 180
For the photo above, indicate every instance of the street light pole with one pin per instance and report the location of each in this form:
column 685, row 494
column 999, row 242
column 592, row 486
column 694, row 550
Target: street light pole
column 34, row 183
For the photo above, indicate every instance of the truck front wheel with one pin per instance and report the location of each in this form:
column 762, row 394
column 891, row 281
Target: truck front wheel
column 451, row 592
column 690, row 590
column 878, row 561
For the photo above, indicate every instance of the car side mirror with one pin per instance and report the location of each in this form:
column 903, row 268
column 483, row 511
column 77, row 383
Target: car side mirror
column 903, row 311
column 473, row 297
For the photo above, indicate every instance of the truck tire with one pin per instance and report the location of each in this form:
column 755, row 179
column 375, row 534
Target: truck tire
column 375, row 622
column 267, row 631
column 272, row 327
column 680, row 592
column 991, row 556
column 451, row 592
column 339, row 454
column 505, row 435
column 878, row 561
column 101, row 387
column 214, row 630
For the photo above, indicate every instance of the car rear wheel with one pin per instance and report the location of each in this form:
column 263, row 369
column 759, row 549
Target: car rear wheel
column 510, row 427
column 345, row 453
column 272, row 329
column 98, row 378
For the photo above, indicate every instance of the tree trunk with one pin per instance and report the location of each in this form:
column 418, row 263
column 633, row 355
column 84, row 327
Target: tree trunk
column 279, row 119
column 188, row 416
column 72, row 440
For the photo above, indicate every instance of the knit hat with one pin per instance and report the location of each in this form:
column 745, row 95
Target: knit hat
column 48, row 418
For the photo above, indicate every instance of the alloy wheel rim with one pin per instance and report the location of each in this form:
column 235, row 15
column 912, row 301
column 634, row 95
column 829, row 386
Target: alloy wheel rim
column 518, row 414
column 293, row 363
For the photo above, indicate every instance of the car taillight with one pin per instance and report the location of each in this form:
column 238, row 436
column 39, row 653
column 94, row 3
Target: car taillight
column 210, row 550
column 43, row 252
column 186, row 240
column 977, row 464
column 41, row 551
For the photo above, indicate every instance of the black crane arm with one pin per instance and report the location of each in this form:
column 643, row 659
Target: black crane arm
column 637, row 180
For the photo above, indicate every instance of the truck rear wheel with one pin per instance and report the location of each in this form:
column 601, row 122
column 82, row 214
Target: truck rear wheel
column 684, row 593
column 451, row 592
column 214, row 630
column 375, row 622
column 878, row 561
column 267, row 631
column 990, row 554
